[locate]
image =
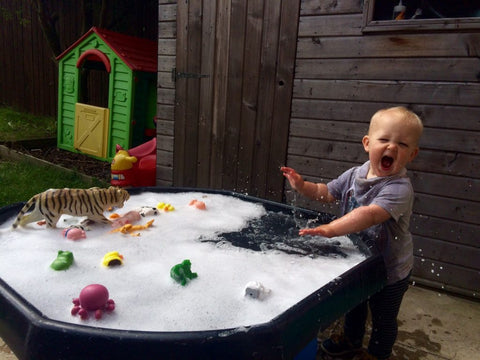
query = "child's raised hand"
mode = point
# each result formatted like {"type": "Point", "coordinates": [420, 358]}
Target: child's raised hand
{"type": "Point", "coordinates": [294, 178]}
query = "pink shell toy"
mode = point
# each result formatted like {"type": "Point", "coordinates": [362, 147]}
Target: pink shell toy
{"type": "Point", "coordinates": [93, 297]}
{"type": "Point", "coordinates": [74, 233]}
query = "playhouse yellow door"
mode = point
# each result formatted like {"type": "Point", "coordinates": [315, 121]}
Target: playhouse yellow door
{"type": "Point", "coordinates": [91, 130]}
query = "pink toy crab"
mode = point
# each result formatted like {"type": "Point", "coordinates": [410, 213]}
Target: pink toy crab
{"type": "Point", "coordinates": [74, 233]}
{"type": "Point", "coordinates": [93, 297]}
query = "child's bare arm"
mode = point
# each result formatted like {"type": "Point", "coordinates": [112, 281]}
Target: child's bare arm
{"type": "Point", "coordinates": [357, 220]}
{"type": "Point", "coordinates": [309, 189]}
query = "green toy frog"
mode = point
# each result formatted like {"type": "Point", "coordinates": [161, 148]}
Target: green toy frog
{"type": "Point", "coordinates": [182, 272]}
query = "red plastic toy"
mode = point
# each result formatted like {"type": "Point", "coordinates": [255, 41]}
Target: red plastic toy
{"type": "Point", "coordinates": [135, 167]}
{"type": "Point", "coordinates": [93, 298]}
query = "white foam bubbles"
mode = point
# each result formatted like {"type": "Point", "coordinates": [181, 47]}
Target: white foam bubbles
{"type": "Point", "coordinates": [146, 297]}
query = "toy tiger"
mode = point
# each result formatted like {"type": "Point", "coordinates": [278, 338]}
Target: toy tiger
{"type": "Point", "coordinates": [52, 203]}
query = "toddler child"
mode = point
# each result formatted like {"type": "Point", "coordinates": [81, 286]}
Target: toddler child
{"type": "Point", "coordinates": [375, 198]}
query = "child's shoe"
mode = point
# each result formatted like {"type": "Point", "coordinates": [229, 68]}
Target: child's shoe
{"type": "Point", "coordinates": [339, 345]}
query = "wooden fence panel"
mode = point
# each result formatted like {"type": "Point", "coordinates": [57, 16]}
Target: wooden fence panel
{"type": "Point", "coordinates": [29, 74]}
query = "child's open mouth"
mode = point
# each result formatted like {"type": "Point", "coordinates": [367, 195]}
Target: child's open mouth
{"type": "Point", "coordinates": [387, 162]}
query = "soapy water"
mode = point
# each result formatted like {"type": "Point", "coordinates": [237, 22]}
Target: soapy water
{"type": "Point", "coordinates": [214, 240]}
{"type": "Point", "coordinates": [279, 231]}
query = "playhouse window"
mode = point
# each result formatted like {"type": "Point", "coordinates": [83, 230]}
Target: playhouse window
{"type": "Point", "coordinates": [94, 84]}
{"type": "Point", "coordinates": [389, 15]}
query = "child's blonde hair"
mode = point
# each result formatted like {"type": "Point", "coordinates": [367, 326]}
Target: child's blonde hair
{"type": "Point", "coordinates": [410, 118]}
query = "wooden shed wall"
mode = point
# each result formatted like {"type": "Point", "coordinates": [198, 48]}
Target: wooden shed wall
{"type": "Point", "coordinates": [343, 76]}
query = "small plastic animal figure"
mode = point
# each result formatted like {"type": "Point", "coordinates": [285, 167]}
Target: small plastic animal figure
{"type": "Point", "coordinates": [63, 261]}
{"type": "Point", "coordinates": [52, 203]}
{"type": "Point", "coordinates": [93, 297]}
{"type": "Point", "coordinates": [129, 228]}
{"type": "Point", "coordinates": [182, 272]}
{"type": "Point", "coordinates": [147, 211]}
{"type": "Point", "coordinates": [200, 205]}
{"type": "Point", "coordinates": [256, 290]}
{"type": "Point", "coordinates": [74, 233]}
{"type": "Point", "coordinates": [165, 207]}
{"type": "Point", "coordinates": [123, 160]}
{"type": "Point", "coordinates": [130, 217]}
{"type": "Point", "coordinates": [112, 258]}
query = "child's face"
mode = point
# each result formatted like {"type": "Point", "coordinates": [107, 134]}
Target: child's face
{"type": "Point", "coordinates": [391, 144]}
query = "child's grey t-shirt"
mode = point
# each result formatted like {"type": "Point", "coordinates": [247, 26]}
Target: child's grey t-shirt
{"type": "Point", "coordinates": [395, 195]}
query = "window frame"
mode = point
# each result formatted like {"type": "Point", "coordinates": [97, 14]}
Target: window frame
{"type": "Point", "coordinates": [370, 26]}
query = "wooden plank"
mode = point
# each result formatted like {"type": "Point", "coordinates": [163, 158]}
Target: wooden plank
{"type": "Point", "coordinates": [441, 93]}
{"type": "Point", "coordinates": [166, 96]}
{"type": "Point", "coordinates": [433, 138]}
{"type": "Point", "coordinates": [181, 99]}
{"type": "Point", "coordinates": [167, 47]}
{"type": "Point", "coordinates": [267, 93]}
{"type": "Point", "coordinates": [165, 111]}
{"type": "Point", "coordinates": [165, 127]}
{"type": "Point", "coordinates": [167, 30]}
{"type": "Point", "coordinates": [320, 169]}
{"type": "Point", "coordinates": [316, 7]}
{"type": "Point", "coordinates": [193, 52]}
{"type": "Point", "coordinates": [448, 252]}
{"type": "Point", "coordinates": [445, 229]}
{"type": "Point", "coordinates": [452, 209]}
{"type": "Point", "coordinates": [335, 110]}
{"type": "Point", "coordinates": [165, 142]}
{"type": "Point", "coordinates": [166, 64]}
{"type": "Point", "coordinates": [222, 31]}
{"type": "Point", "coordinates": [164, 175]}
{"type": "Point", "coordinates": [206, 94]}
{"type": "Point", "coordinates": [434, 184]}
{"type": "Point", "coordinates": [250, 95]}
{"type": "Point", "coordinates": [164, 80]}
{"type": "Point", "coordinates": [167, 12]}
{"type": "Point", "coordinates": [282, 98]}
{"type": "Point", "coordinates": [388, 46]}
{"type": "Point", "coordinates": [447, 275]}
{"type": "Point", "coordinates": [165, 159]}
{"type": "Point", "coordinates": [234, 93]}
{"type": "Point", "coordinates": [395, 69]}
{"type": "Point", "coordinates": [450, 140]}
{"type": "Point", "coordinates": [341, 25]}
{"type": "Point", "coordinates": [327, 129]}
{"type": "Point", "coordinates": [452, 163]}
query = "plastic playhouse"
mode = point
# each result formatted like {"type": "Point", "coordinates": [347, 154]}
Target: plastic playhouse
{"type": "Point", "coordinates": [106, 93]}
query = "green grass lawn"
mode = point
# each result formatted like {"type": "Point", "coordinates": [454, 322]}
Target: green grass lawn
{"type": "Point", "coordinates": [20, 180]}
{"type": "Point", "coordinates": [15, 125]}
